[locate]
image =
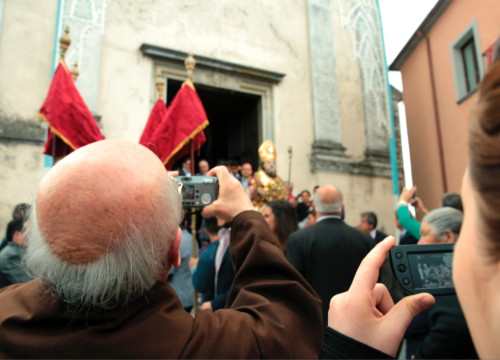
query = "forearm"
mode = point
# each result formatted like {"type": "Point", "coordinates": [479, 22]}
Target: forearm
{"type": "Point", "coordinates": [409, 223]}
{"type": "Point", "coordinates": [269, 288]}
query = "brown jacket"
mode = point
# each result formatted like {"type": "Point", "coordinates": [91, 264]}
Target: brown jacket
{"type": "Point", "coordinates": [273, 313]}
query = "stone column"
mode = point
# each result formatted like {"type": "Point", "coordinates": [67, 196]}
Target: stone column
{"type": "Point", "coordinates": [327, 146]}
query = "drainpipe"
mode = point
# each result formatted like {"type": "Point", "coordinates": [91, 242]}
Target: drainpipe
{"type": "Point", "coordinates": [48, 161]}
{"type": "Point", "coordinates": [444, 179]}
{"type": "Point", "coordinates": [57, 34]}
{"type": "Point", "coordinates": [392, 140]}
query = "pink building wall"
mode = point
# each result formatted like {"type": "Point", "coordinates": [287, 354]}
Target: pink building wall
{"type": "Point", "coordinates": [453, 117]}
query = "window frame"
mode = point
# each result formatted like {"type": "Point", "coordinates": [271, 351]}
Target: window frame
{"type": "Point", "coordinates": [460, 77]}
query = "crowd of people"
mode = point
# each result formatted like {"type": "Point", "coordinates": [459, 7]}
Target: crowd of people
{"type": "Point", "coordinates": [102, 273]}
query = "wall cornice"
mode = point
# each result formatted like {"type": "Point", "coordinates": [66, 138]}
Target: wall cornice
{"type": "Point", "coordinates": [177, 56]}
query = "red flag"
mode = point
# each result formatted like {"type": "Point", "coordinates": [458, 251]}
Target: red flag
{"type": "Point", "coordinates": [184, 120]}
{"type": "Point", "coordinates": [67, 116]}
{"type": "Point", "coordinates": [155, 118]}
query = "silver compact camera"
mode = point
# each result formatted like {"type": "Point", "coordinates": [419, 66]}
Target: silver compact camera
{"type": "Point", "coordinates": [198, 191]}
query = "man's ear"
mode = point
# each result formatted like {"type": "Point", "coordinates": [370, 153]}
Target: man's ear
{"type": "Point", "coordinates": [174, 253]}
{"type": "Point", "coordinates": [174, 256]}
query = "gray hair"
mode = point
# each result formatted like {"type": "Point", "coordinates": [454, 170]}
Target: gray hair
{"type": "Point", "coordinates": [328, 207]}
{"type": "Point", "coordinates": [132, 266]}
{"type": "Point", "coordinates": [444, 218]}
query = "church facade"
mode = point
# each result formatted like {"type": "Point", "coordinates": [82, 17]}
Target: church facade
{"type": "Point", "coordinates": [307, 74]}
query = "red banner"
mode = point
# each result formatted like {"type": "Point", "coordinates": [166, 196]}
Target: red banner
{"type": "Point", "coordinates": [155, 118]}
{"type": "Point", "coordinates": [67, 116]}
{"type": "Point", "coordinates": [183, 121]}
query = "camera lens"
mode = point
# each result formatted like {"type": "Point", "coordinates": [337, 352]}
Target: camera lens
{"type": "Point", "coordinates": [206, 198]}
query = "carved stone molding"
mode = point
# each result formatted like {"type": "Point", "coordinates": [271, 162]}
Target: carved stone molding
{"type": "Point", "coordinates": [330, 157]}
{"type": "Point", "coordinates": [21, 130]}
{"type": "Point", "coordinates": [211, 64]}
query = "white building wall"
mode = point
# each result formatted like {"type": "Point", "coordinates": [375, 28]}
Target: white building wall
{"type": "Point", "coordinates": [269, 35]}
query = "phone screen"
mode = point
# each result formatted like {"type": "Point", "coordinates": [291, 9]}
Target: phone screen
{"type": "Point", "coordinates": [431, 270]}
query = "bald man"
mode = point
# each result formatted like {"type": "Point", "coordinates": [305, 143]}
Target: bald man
{"type": "Point", "coordinates": [103, 236]}
{"type": "Point", "coordinates": [328, 253]}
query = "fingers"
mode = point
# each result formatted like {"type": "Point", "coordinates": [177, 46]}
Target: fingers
{"type": "Point", "coordinates": [211, 210]}
{"type": "Point", "coordinates": [383, 299]}
{"type": "Point", "coordinates": [232, 198]}
{"type": "Point", "coordinates": [407, 194]}
{"type": "Point", "coordinates": [219, 171]}
{"type": "Point", "coordinates": [407, 308]}
{"type": "Point", "coordinates": [173, 173]}
{"type": "Point", "coordinates": [222, 177]}
{"type": "Point", "coordinates": [367, 274]}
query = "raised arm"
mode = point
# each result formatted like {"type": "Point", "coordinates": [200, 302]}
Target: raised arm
{"type": "Point", "coordinates": [274, 311]}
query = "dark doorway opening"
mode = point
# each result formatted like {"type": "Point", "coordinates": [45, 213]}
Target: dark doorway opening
{"type": "Point", "coordinates": [233, 133]}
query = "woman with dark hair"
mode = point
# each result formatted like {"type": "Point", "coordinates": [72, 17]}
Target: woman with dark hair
{"type": "Point", "coordinates": [282, 219]}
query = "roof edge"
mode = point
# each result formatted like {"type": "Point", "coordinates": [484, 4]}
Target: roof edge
{"type": "Point", "coordinates": [424, 28]}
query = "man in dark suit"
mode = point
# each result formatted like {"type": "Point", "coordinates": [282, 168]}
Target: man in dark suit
{"type": "Point", "coordinates": [368, 224]}
{"type": "Point", "coordinates": [328, 253]}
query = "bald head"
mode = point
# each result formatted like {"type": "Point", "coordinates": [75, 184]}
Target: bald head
{"type": "Point", "coordinates": [105, 225]}
{"type": "Point", "coordinates": [89, 198]}
{"type": "Point", "coordinates": [328, 200]}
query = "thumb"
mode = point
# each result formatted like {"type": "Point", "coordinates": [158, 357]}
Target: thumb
{"type": "Point", "coordinates": [407, 308]}
{"type": "Point", "coordinates": [210, 210]}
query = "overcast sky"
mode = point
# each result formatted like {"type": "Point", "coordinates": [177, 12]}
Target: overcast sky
{"type": "Point", "coordinates": [400, 19]}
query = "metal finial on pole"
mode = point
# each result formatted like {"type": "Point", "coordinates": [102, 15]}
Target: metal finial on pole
{"type": "Point", "coordinates": [190, 64]}
{"type": "Point", "coordinates": [64, 42]}
{"type": "Point", "coordinates": [74, 71]}
{"type": "Point", "coordinates": [160, 83]}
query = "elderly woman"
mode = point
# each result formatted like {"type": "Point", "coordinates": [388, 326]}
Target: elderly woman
{"type": "Point", "coordinates": [441, 225]}
{"type": "Point", "coordinates": [364, 323]}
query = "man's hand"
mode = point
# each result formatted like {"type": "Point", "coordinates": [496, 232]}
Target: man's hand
{"type": "Point", "coordinates": [407, 195]}
{"type": "Point", "coordinates": [419, 205]}
{"type": "Point", "coordinates": [207, 305]}
{"type": "Point", "coordinates": [366, 311]}
{"type": "Point", "coordinates": [232, 198]}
